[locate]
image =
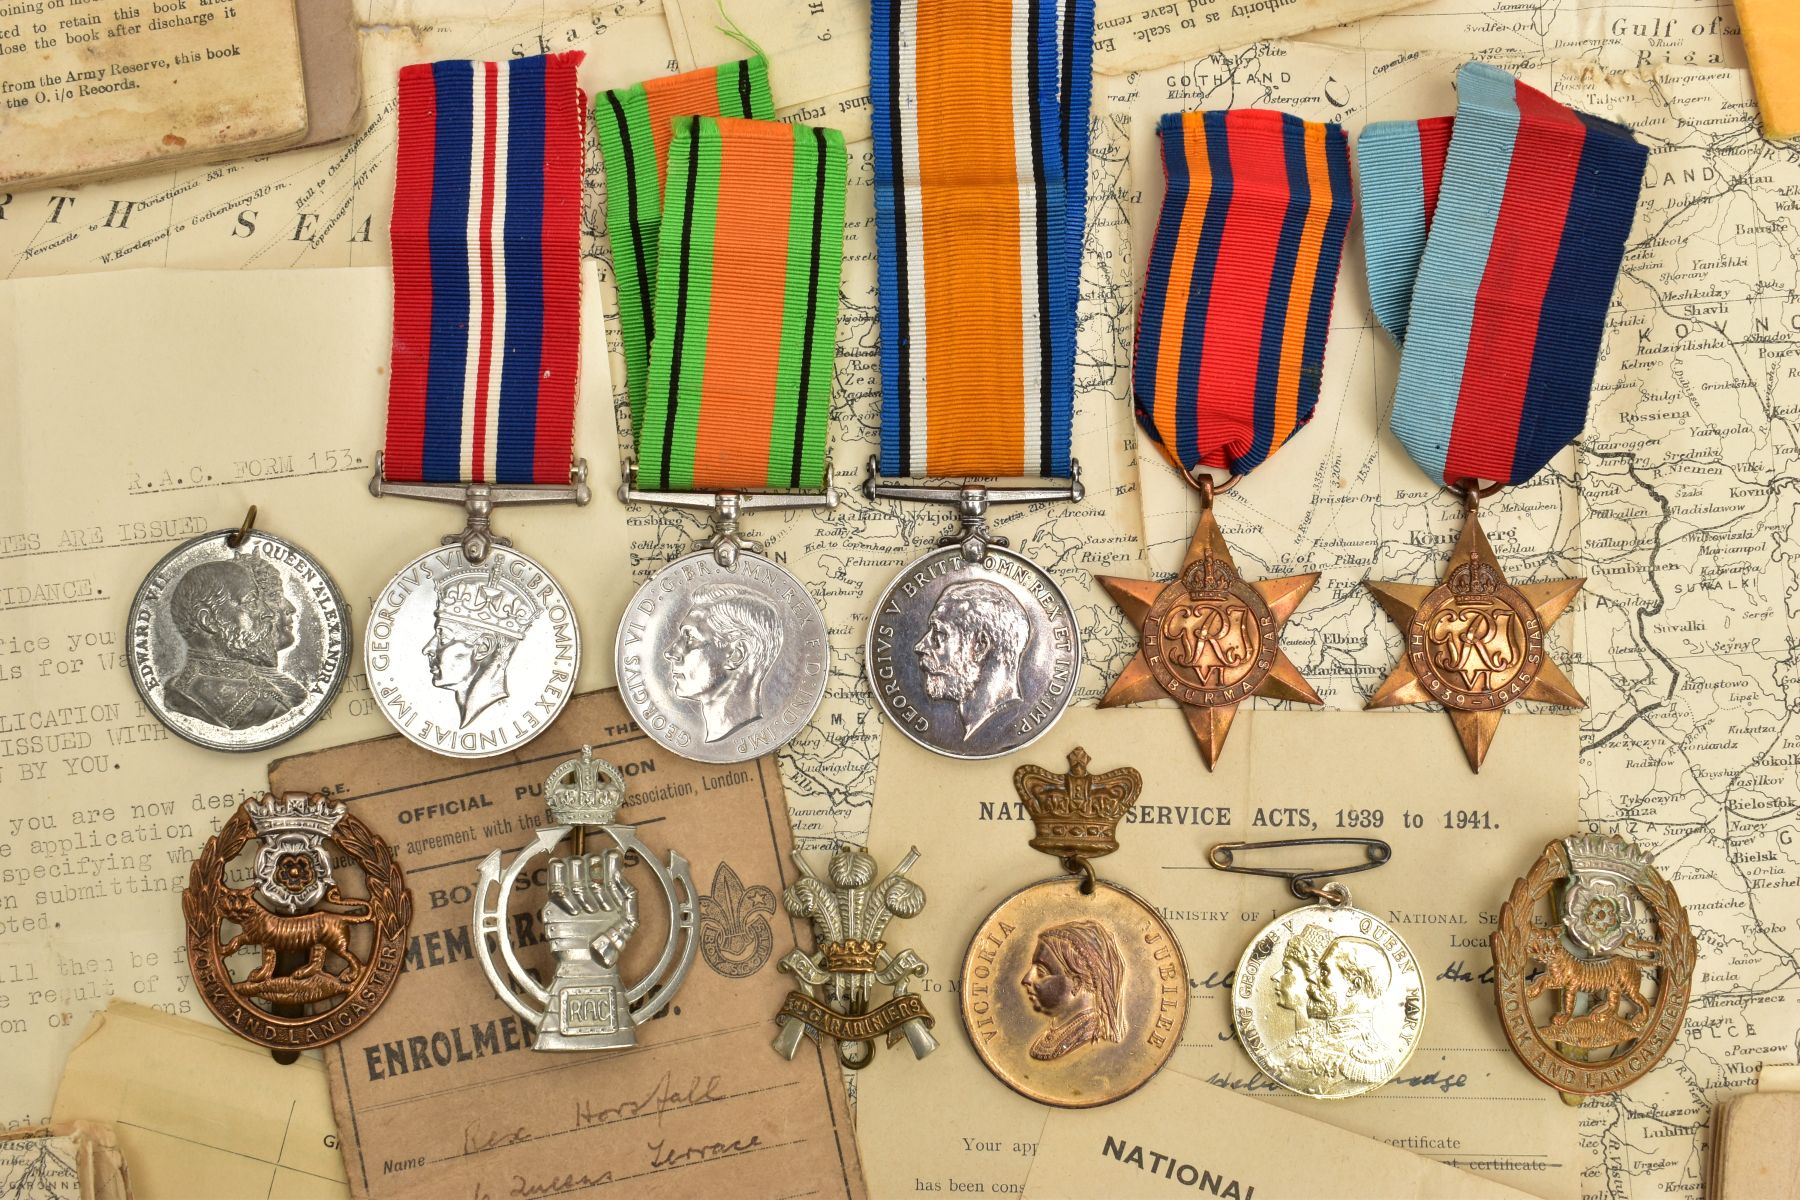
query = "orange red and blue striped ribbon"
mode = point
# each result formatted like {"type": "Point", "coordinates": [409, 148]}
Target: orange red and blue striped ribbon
{"type": "Point", "coordinates": [1237, 300]}
{"type": "Point", "coordinates": [487, 287]}
{"type": "Point", "coordinates": [740, 371]}
{"type": "Point", "coordinates": [634, 126]}
{"type": "Point", "coordinates": [980, 112]}
{"type": "Point", "coordinates": [1494, 244]}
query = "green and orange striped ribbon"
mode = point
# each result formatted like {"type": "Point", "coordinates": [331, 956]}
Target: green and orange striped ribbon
{"type": "Point", "coordinates": [634, 126]}
{"type": "Point", "coordinates": [739, 390]}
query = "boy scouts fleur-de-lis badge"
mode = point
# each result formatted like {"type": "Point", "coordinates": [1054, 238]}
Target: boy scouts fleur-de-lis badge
{"type": "Point", "coordinates": [849, 916]}
{"type": "Point", "coordinates": [735, 937]}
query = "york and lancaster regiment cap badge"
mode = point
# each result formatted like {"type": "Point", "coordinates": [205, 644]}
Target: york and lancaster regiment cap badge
{"type": "Point", "coordinates": [849, 916]}
{"type": "Point", "coordinates": [1614, 921]}
{"type": "Point", "coordinates": [589, 919]}
{"type": "Point", "coordinates": [321, 974]}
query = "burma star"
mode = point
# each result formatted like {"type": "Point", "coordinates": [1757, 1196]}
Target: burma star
{"type": "Point", "coordinates": [1208, 639]}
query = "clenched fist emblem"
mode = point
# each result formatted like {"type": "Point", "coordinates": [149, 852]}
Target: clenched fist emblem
{"type": "Point", "coordinates": [592, 913]}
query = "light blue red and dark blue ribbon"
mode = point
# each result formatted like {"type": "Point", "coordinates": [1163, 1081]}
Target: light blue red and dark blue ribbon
{"type": "Point", "coordinates": [980, 111]}
{"type": "Point", "coordinates": [1237, 300]}
{"type": "Point", "coordinates": [487, 283]}
{"type": "Point", "coordinates": [1493, 248]}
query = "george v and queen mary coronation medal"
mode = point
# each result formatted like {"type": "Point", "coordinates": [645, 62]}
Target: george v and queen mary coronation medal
{"type": "Point", "coordinates": [472, 648]}
{"type": "Point", "coordinates": [722, 654]}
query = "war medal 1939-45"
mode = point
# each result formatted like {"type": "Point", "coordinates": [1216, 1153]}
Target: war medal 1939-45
{"type": "Point", "coordinates": [722, 654]}
{"type": "Point", "coordinates": [1074, 992]}
{"type": "Point", "coordinates": [973, 650]}
{"type": "Point", "coordinates": [1230, 355]}
{"type": "Point", "coordinates": [588, 920]}
{"type": "Point", "coordinates": [850, 911]}
{"type": "Point", "coordinates": [238, 640]}
{"type": "Point", "coordinates": [328, 959]}
{"type": "Point", "coordinates": [1328, 1000]}
{"type": "Point", "coordinates": [472, 648]}
{"type": "Point", "coordinates": [1594, 996]}
{"type": "Point", "coordinates": [1492, 255]}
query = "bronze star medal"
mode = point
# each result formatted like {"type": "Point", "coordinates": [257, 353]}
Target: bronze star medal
{"type": "Point", "coordinates": [1475, 643]}
{"type": "Point", "coordinates": [1209, 639]}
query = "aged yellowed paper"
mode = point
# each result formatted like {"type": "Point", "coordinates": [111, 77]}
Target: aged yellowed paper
{"type": "Point", "coordinates": [1462, 1099]}
{"type": "Point", "coordinates": [94, 87]}
{"type": "Point", "coordinates": [441, 1094]}
{"type": "Point", "coordinates": [201, 1112]}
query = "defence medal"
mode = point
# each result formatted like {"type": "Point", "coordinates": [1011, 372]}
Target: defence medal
{"type": "Point", "coordinates": [1074, 992]}
{"type": "Point", "coordinates": [722, 654]}
{"type": "Point", "coordinates": [1571, 989]}
{"type": "Point", "coordinates": [328, 959]}
{"type": "Point", "coordinates": [973, 650]}
{"type": "Point", "coordinates": [472, 648]}
{"type": "Point", "coordinates": [1230, 354]}
{"type": "Point", "coordinates": [850, 911]}
{"type": "Point", "coordinates": [1327, 1000]}
{"type": "Point", "coordinates": [237, 639]}
{"type": "Point", "coordinates": [1496, 286]}
{"type": "Point", "coordinates": [588, 920]}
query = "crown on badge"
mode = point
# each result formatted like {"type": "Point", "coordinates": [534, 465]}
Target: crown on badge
{"type": "Point", "coordinates": [1606, 854]}
{"type": "Point", "coordinates": [486, 600]}
{"type": "Point", "coordinates": [1474, 578]}
{"type": "Point", "coordinates": [294, 812]}
{"type": "Point", "coordinates": [1077, 814]}
{"type": "Point", "coordinates": [584, 791]}
{"type": "Point", "coordinates": [1209, 578]}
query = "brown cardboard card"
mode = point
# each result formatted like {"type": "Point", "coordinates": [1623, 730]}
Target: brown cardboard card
{"type": "Point", "coordinates": [92, 87]}
{"type": "Point", "coordinates": [440, 1093]}
{"type": "Point", "coordinates": [331, 56]}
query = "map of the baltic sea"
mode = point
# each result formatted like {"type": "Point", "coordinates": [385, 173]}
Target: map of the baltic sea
{"type": "Point", "coordinates": [1680, 504]}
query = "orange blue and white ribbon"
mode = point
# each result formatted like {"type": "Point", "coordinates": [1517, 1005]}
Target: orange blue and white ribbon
{"type": "Point", "coordinates": [1237, 299]}
{"type": "Point", "coordinates": [1493, 253]}
{"type": "Point", "coordinates": [980, 111]}
{"type": "Point", "coordinates": [487, 284]}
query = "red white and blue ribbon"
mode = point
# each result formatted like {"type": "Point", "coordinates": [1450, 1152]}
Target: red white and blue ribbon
{"type": "Point", "coordinates": [1237, 299]}
{"type": "Point", "coordinates": [487, 271]}
{"type": "Point", "coordinates": [1492, 257]}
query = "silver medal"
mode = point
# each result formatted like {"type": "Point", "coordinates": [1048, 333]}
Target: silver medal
{"type": "Point", "coordinates": [238, 640]}
{"type": "Point", "coordinates": [722, 663]}
{"type": "Point", "coordinates": [472, 659]}
{"type": "Point", "coordinates": [973, 659]}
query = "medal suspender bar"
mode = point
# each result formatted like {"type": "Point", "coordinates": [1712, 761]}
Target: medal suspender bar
{"type": "Point", "coordinates": [980, 111]}
{"type": "Point", "coordinates": [472, 648]}
{"type": "Point", "coordinates": [722, 654]}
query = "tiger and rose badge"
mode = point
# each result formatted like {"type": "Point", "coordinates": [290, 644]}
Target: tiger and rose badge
{"type": "Point", "coordinates": [328, 958]}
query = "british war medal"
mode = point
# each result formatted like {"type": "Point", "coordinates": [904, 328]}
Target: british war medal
{"type": "Point", "coordinates": [237, 639]}
{"type": "Point", "coordinates": [980, 111]}
{"type": "Point", "coordinates": [327, 956]}
{"type": "Point", "coordinates": [1074, 991]}
{"type": "Point", "coordinates": [1327, 1000]}
{"type": "Point", "coordinates": [1593, 965]}
{"type": "Point", "coordinates": [1230, 352]}
{"type": "Point", "coordinates": [1494, 242]}
{"type": "Point", "coordinates": [730, 327]}
{"type": "Point", "coordinates": [473, 648]}
{"type": "Point", "coordinates": [588, 919]}
{"type": "Point", "coordinates": [850, 912]}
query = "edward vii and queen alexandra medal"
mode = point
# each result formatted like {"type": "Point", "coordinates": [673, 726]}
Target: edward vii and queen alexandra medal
{"type": "Point", "coordinates": [329, 955]}
{"type": "Point", "coordinates": [729, 304]}
{"type": "Point", "coordinates": [1496, 289]}
{"type": "Point", "coordinates": [973, 651]}
{"type": "Point", "coordinates": [1327, 1000]}
{"type": "Point", "coordinates": [472, 649]}
{"type": "Point", "coordinates": [1074, 991]}
{"type": "Point", "coordinates": [237, 639]}
{"type": "Point", "coordinates": [1593, 996]}
{"type": "Point", "coordinates": [1224, 375]}
{"type": "Point", "coordinates": [589, 918]}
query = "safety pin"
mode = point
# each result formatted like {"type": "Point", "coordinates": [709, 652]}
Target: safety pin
{"type": "Point", "coordinates": [1303, 881]}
